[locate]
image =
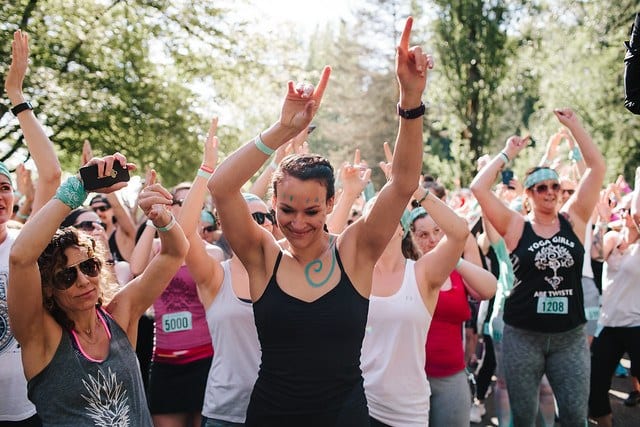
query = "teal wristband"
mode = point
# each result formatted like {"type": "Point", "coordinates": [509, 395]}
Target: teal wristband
{"type": "Point", "coordinates": [204, 174]}
{"type": "Point", "coordinates": [71, 192]}
{"type": "Point", "coordinates": [22, 216]}
{"type": "Point", "coordinates": [260, 145]}
{"type": "Point", "coordinates": [168, 226]}
{"type": "Point", "coordinates": [504, 157]}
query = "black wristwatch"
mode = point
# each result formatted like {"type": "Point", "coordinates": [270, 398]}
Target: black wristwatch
{"type": "Point", "coordinates": [413, 113]}
{"type": "Point", "coordinates": [21, 107]}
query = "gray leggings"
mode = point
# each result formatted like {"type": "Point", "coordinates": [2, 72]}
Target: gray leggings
{"type": "Point", "coordinates": [450, 400]}
{"type": "Point", "coordinates": [564, 357]}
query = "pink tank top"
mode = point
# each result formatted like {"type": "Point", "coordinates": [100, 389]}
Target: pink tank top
{"type": "Point", "coordinates": [445, 353]}
{"type": "Point", "coordinates": [181, 330]}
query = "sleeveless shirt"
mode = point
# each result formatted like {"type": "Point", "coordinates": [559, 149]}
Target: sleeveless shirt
{"type": "Point", "coordinates": [445, 352]}
{"type": "Point", "coordinates": [181, 332]}
{"type": "Point", "coordinates": [310, 371]}
{"type": "Point", "coordinates": [620, 290]}
{"type": "Point", "coordinates": [14, 405]}
{"type": "Point", "coordinates": [73, 390]}
{"type": "Point", "coordinates": [234, 367]}
{"type": "Point", "coordinates": [547, 291]}
{"type": "Point", "coordinates": [393, 355]}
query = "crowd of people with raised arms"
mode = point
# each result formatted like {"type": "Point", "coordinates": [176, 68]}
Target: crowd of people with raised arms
{"type": "Point", "coordinates": [304, 303]}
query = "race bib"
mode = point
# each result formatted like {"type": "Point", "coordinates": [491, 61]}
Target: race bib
{"type": "Point", "coordinates": [176, 322]}
{"type": "Point", "coordinates": [553, 305]}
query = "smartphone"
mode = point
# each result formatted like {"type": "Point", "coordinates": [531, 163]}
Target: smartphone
{"type": "Point", "coordinates": [310, 129]}
{"type": "Point", "coordinates": [507, 176]}
{"type": "Point", "coordinates": [89, 175]}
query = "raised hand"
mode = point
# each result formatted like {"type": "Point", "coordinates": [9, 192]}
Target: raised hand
{"type": "Point", "coordinates": [412, 66]}
{"type": "Point", "coordinates": [566, 116]}
{"type": "Point", "coordinates": [105, 167]}
{"type": "Point", "coordinates": [514, 145]}
{"type": "Point", "coordinates": [386, 165]}
{"type": "Point", "coordinates": [154, 200]}
{"type": "Point", "coordinates": [24, 182]}
{"type": "Point", "coordinates": [302, 103]}
{"type": "Point", "coordinates": [355, 176]}
{"type": "Point", "coordinates": [19, 64]}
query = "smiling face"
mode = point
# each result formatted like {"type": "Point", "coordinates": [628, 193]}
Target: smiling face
{"type": "Point", "coordinates": [301, 209]}
{"type": "Point", "coordinates": [545, 195]}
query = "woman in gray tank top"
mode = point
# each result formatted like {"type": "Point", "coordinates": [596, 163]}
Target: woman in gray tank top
{"type": "Point", "coordinates": [77, 342]}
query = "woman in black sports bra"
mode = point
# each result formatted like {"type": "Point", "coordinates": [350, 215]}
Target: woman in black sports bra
{"type": "Point", "coordinates": [311, 299]}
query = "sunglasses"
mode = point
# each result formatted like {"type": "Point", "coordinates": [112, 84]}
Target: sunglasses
{"type": "Point", "coordinates": [543, 188]}
{"type": "Point", "coordinates": [66, 277]}
{"type": "Point", "coordinates": [259, 217]}
{"type": "Point", "coordinates": [209, 228]}
{"type": "Point", "coordinates": [101, 208]}
{"type": "Point", "coordinates": [569, 191]}
{"type": "Point", "coordinates": [89, 225]}
{"type": "Point", "coordinates": [177, 202]}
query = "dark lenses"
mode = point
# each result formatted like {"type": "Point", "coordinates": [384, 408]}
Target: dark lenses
{"type": "Point", "coordinates": [89, 225]}
{"type": "Point", "coordinates": [209, 228]}
{"type": "Point", "coordinates": [66, 277]}
{"type": "Point", "coordinates": [568, 191]}
{"type": "Point", "coordinates": [177, 202]}
{"type": "Point", "coordinates": [543, 188]}
{"type": "Point", "coordinates": [101, 208]}
{"type": "Point", "coordinates": [259, 217]}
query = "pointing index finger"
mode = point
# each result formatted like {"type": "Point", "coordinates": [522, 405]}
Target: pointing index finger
{"type": "Point", "coordinates": [322, 84]}
{"type": "Point", "coordinates": [406, 33]}
{"type": "Point", "coordinates": [387, 152]}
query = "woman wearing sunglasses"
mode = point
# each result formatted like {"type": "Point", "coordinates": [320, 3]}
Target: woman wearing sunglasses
{"type": "Point", "coordinates": [544, 313]}
{"type": "Point", "coordinates": [77, 339]}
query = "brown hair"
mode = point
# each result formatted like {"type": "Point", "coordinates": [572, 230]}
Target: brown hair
{"type": "Point", "coordinates": [54, 259]}
{"type": "Point", "coordinates": [305, 167]}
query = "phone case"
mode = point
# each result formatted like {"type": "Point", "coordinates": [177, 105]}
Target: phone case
{"type": "Point", "coordinates": [89, 175]}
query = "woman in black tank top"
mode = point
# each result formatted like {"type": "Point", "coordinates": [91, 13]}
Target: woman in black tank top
{"type": "Point", "coordinates": [310, 292]}
{"type": "Point", "coordinates": [544, 312]}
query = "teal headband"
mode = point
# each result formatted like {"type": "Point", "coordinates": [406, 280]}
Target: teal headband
{"type": "Point", "coordinates": [405, 222]}
{"type": "Point", "coordinates": [416, 213]}
{"type": "Point", "coordinates": [206, 216]}
{"type": "Point", "coordinates": [4, 171]}
{"type": "Point", "coordinates": [539, 176]}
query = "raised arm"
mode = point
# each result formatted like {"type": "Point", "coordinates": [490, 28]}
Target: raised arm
{"type": "Point", "coordinates": [204, 268]}
{"type": "Point", "coordinates": [354, 177]}
{"type": "Point", "coordinates": [632, 69]}
{"type": "Point", "coordinates": [376, 228]}
{"type": "Point", "coordinates": [132, 300]}
{"type": "Point", "coordinates": [506, 221]}
{"type": "Point", "coordinates": [581, 205]}
{"type": "Point", "coordinates": [433, 268]}
{"type": "Point", "coordinates": [24, 296]}
{"type": "Point", "coordinates": [635, 201]}
{"type": "Point", "coordinates": [39, 145]}
{"type": "Point", "coordinates": [247, 238]}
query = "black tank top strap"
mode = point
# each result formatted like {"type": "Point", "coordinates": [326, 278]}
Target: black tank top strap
{"type": "Point", "coordinates": [275, 267]}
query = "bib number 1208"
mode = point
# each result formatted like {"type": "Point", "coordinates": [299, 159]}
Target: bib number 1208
{"type": "Point", "coordinates": [553, 305]}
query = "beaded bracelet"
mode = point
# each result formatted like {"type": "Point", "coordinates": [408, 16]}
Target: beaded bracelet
{"type": "Point", "coordinates": [71, 192]}
{"type": "Point", "coordinates": [260, 145]}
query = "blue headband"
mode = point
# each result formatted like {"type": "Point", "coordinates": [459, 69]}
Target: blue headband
{"type": "Point", "coordinates": [539, 176]}
{"type": "Point", "coordinates": [4, 171]}
{"type": "Point", "coordinates": [417, 213]}
{"type": "Point", "coordinates": [405, 222]}
{"type": "Point", "coordinates": [206, 216]}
